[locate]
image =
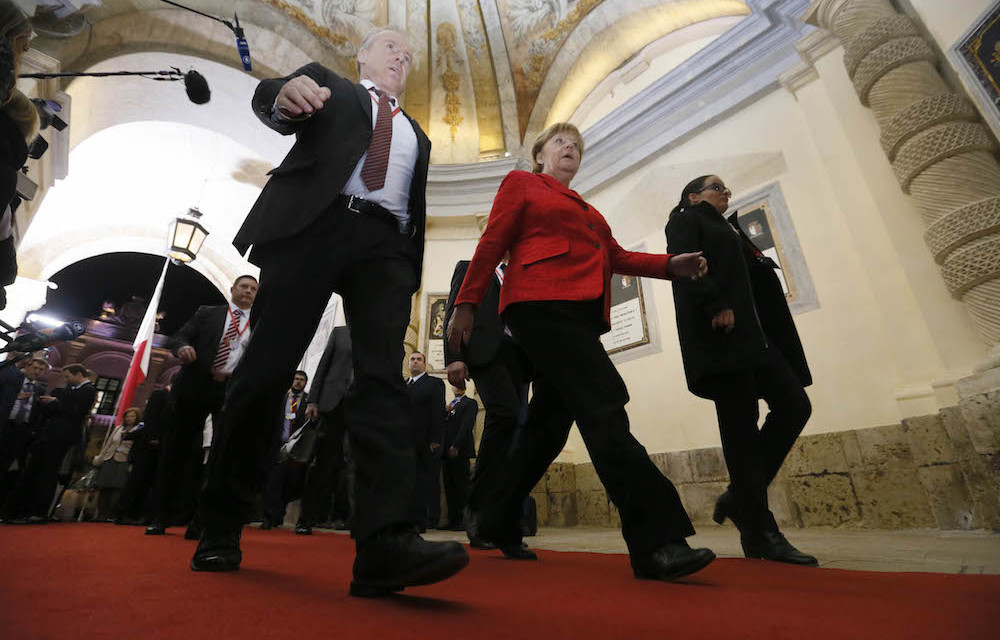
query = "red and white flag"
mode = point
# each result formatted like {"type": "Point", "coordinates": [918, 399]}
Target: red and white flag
{"type": "Point", "coordinates": [142, 347]}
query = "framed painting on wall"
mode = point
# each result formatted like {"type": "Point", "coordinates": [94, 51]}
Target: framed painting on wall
{"type": "Point", "coordinates": [976, 58]}
{"type": "Point", "coordinates": [437, 305]}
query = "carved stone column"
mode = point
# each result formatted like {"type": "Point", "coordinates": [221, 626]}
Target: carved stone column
{"type": "Point", "coordinates": [943, 156]}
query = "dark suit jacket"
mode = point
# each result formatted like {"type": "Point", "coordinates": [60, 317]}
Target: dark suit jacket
{"type": "Point", "coordinates": [11, 379]}
{"type": "Point", "coordinates": [458, 426]}
{"type": "Point", "coordinates": [426, 412]}
{"type": "Point", "coordinates": [300, 412]}
{"type": "Point", "coordinates": [328, 147]}
{"type": "Point", "coordinates": [335, 372]}
{"type": "Point", "coordinates": [487, 332]}
{"type": "Point", "coordinates": [64, 418]}
{"type": "Point", "coordinates": [203, 332]}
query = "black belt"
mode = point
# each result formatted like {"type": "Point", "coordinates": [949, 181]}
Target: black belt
{"type": "Point", "coordinates": [373, 210]}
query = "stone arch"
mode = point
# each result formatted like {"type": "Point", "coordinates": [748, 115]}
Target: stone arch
{"type": "Point", "coordinates": [606, 38]}
{"type": "Point", "coordinates": [112, 364]}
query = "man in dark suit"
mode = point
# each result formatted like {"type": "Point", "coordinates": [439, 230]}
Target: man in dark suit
{"type": "Point", "coordinates": [502, 373]}
{"type": "Point", "coordinates": [60, 429]}
{"type": "Point", "coordinates": [209, 345]}
{"type": "Point", "coordinates": [285, 478]}
{"type": "Point", "coordinates": [325, 478]}
{"type": "Point", "coordinates": [459, 448]}
{"type": "Point", "coordinates": [144, 457]}
{"type": "Point", "coordinates": [343, 212]}
{"type": "Point", "coordinates": [20, 408]}
{"type": "Point", "coordinates": [426, 430]}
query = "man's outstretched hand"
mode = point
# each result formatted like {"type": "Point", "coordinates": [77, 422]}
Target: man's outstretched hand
{"type": "Point", "coordinates": [687, 265]}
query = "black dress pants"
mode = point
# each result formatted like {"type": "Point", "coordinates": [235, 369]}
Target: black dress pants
{"type": "Point", "coordinates": [140, 481]}
{"type": "Point", "coordinates": [502, 385]}
{"type": "Point", "coordinates": [455, 472]}
{"type": "Point", "coordinates": [374, 268]}
{"type": "Point", "coordinates": [324, 476]}
{"type": "Point", "coordinates": [15, 440]}
{"type": "Point", "coordinates": [36, 485]}
{"type": "Point", "coordinates": [754, 455]}
{"type": "Point", "coordinates": [284, 484]}
{"type": "Point", "coordinates": [576, 378]}
{"type": "Point", "coordinates": [181, 461]}
{"type": "Point", "coordinates": [427, 501]}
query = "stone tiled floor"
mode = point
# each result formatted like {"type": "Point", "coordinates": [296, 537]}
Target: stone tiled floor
{"type": "Point", "coordinates": [912, 550]}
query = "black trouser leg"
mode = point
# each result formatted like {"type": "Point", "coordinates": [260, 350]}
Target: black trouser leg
{"type": "Point", "coordinates": [456, 487]}
{"type": "Point", "coordinates": [563, 342]}
{"type": "Point", "coordinates": [140, 481]}
{"type": "Point", "coordinates": [373, 268]}
{"type": "Point", "coordinates": [432, 490]}
{"type": "Point", "coordinates": [36, 486]}
{"type": "Point", "coordinates": [344, 491]}
{"type": "Point", "coordinates": [15, 440]}
{"type": "Point", "coordinates": [180, 461]}
{"type": "Point", "coordinates": [788, 412]}
{"type": "Point", "coordinates": [321, 477]}
{"type": "Point", "coordinates": [273, 496]}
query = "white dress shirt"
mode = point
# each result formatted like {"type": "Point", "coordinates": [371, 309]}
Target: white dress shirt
{"type": "Point", "coordinates": [395, 193]}
{"type": "Point", "coordinates": [240, 342]}
{"type": "Point", "coordinates": [414, 379]}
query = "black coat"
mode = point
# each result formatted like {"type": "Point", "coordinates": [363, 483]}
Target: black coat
{"type": "Point", "coordinates": [328, 147]}
{"type": "Point", "coordinates": [426, 412]}
{"type": "Point", "coordinates": [335, 372]}
{"type": "Point", "coordinates": [487, 330]}
{"type": "Point", "coordinates": [11, 381]}
{"type": "Point", "coordinates": [153, 417]}
{"type": "Point", "coordinates": [63, 419]}
{"type": "Point", "coordinates": [203, 332]}
{"type": "Point", "coordinates": [459, 423]}
{"type": "Point", "coordinates": [739, 278]}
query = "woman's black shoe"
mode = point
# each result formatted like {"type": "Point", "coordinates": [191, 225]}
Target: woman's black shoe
{"type": "Point", "coordinates": [671, 561]}
{"type": "Point", "coordinates": [156, 529]}
{"type": "Point", "coordinates": [772, 545]}
{"type": "Point", "coordinates": [303, 530]}
{"type": "Point", "coordinates": [725, 507]}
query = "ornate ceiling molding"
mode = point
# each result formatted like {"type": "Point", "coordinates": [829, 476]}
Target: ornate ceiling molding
{"type": "Point", "coordinates": [738, 69]}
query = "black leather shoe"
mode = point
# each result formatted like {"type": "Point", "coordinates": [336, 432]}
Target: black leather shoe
{"type": "Point", "coordinates": [217, 552]}
{"type": "Point", "coordinates": [671, 561]}
{"type": "Point", "coordinates": [478, 543]}
{"type": "Point", "coordinates": [128, 521]}
{"type": "Point", "coordinates": [155, 529]}
{"type": "Point", "coordinates": [773, 545]}
{"type": "Point", "coordinates": [303, 530]}
{"type": "Point", "coordinates": [341, 525]}
{"type": "Point", "coordinates": [517, 552]}
{"type": "Point", "coordinates": [396, 558]}
{"type": "Point", "coordinates": [725, 507]}
{"type": "Point", "coordinates": [193, 532]}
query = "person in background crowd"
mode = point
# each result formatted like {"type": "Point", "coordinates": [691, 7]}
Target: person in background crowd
{"type": "Point", "coordinates": [285, 478]}
{"type": "Point", "coordinates": [209, 345]}
{"type": "Point", "coordinates": [20, 409]}
{"type": "Point", "coordinates": [739, 344]}
{"type": "Point", "coordinates": [64, 412]}
{"type": "Point", "coordinates": [112, 464]}
{"type": "Point", "coordinates": [459, 447]}
{"type": "Point", "coordinates": [144, 457]}
{"type": "Point", "coordinates": [426, 428]}
{"type": "Point", "coordinates": [18, 126]}
{"type": "Point", "coordinates": [556, 301]}
{"type": "Point", "coordinates": [329, 476]}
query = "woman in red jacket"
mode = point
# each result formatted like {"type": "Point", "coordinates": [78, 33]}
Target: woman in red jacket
{"type": "Point", "coordinates": [555, 299]}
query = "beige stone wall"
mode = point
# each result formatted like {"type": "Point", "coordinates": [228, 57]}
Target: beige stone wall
{"type": "Point", "coordinates": [938, 471]}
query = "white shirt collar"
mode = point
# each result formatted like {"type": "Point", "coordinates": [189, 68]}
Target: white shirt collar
{"type": "Point", "coordinates": [368, 84]}
{"type": "Point", "coordinates": [414, 379]}
{"type": "Point", "coordinates": [81, 384]}
{"type": "Point", "coordinates": [233, 307]}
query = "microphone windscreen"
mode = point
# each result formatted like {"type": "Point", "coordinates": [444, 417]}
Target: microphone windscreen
{"type": "Point", "coordinates": [196, 87]}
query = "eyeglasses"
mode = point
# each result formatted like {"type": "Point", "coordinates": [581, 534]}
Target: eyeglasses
{"type": "Point", "coordinates": [715, 186]}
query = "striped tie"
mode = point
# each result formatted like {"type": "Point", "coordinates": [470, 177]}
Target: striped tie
{"type": "Point", "coordinates": [373, 172]}
{"type": "Point", "coordinates": [222, 356]}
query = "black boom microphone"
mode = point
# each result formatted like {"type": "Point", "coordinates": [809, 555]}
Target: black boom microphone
{"type": "Point", "coordinates": [242, 48]}
{"type": "Point", "coordinates": [194, 83]}
{"type": "Point", "coordinates": [43, 338]}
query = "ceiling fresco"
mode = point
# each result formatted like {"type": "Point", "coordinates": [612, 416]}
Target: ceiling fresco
{"type": "Point", "coordinates": [487, 74]}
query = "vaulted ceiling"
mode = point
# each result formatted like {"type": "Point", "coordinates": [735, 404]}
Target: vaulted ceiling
{"type": "Point", "coordinates": [487, 76]}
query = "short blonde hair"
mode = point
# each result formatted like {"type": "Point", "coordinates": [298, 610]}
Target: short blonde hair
{"type": "Point", "coordinates": [545, 136]}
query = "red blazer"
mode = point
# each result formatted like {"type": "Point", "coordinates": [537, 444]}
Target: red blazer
{"type": "Point", "coordinates": [560, 247]}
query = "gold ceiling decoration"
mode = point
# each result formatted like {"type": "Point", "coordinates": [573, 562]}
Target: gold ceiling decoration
{"type": "Point", "coordinates": [447, 38]}
{"type": "Point", "coordinates": [296, 12]}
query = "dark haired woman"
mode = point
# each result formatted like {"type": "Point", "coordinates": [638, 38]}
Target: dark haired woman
{"type": "Point", "coordinates": [555, 299]}
{"type": "Point", "coordinates": [739, 344]}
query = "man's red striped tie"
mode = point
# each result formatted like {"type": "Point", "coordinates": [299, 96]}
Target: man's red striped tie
{"type": "Point", "coordinates": [226, 346]}
{"type": "Point", "coordinates": [373, 171]}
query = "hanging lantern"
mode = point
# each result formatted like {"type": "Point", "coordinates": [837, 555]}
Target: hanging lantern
{"type": "Point", "coordinates": [186, 237]}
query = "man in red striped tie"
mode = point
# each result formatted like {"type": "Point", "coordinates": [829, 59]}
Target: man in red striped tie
{"type": "Point", "coordinates": [209, 345]}
{"type": "Point", "coordinates": [344, 213]}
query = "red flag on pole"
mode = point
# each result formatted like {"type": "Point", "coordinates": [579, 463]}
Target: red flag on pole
{"type": "Point", "coordinates": [142, 348]}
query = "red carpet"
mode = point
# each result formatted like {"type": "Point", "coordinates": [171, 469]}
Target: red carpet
{"type": "Point", "coordinates": [66, 581]}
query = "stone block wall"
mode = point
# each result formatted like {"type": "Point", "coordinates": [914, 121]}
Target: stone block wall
{"type": "Point", "coordinates": [939, 471]}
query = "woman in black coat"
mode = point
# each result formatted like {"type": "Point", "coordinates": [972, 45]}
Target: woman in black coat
{"type": "Point", "coordinates": [739, 344]}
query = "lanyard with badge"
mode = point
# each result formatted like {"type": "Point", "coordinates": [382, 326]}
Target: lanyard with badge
{"type": "Point", "coordinates": [293, 406]}
{"type": "Point", "coordinates": [235, 340]}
